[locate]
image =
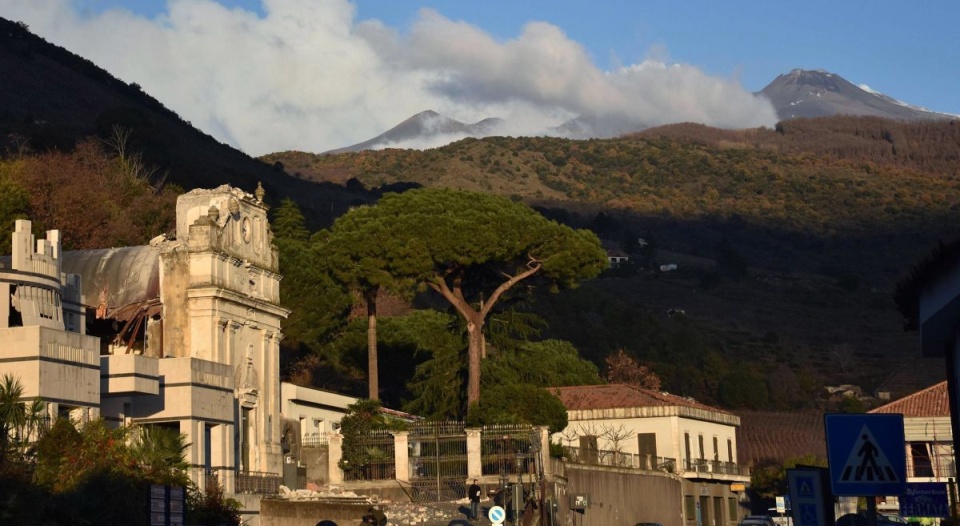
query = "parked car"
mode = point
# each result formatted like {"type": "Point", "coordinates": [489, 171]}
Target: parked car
{"type": "Point", "coordinates": [860, 519]}
{"type": "Point", "coordinates": [757, 520]}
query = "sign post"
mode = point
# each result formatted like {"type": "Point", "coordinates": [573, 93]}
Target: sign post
{"type": "Point", "coordinates": [925, 499]}
{"type": "Point", "coordinates": [809, 496]}
{"type": "Point", "coordinates": [867, 456]}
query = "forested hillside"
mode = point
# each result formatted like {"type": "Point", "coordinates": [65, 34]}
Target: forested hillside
{"type": "Point", "coordinates": [787, 245]}
{"type": "Point", "coordinates": [859, 195]}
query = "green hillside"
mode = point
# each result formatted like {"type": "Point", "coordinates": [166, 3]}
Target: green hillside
{"type": "Point", "coordinates": [825, 214]}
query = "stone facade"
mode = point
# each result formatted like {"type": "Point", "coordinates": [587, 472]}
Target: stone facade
{"type": "Point", "coordinates": [183, 333]}
{"type": "Point", "coordinates": [42, 329]}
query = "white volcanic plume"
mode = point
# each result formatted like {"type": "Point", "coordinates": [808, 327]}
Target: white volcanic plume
{"type": "Point", "coordinates": [308, 75]}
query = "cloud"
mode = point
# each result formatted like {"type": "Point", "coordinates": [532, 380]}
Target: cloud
{"type": "Point", "coordinates": [307, 75]}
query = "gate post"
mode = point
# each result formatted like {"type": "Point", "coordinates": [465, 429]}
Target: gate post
{"type": "Point", "coordinates": [401, 456]}
{"type": "Point", "coordinates": [334, 454]}
{"type": "Point", "coordinates": [474, 464]}
{"type": "Point", "coordinates": [542, 435]}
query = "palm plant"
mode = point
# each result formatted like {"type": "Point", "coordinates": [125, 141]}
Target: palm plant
{"type": "Point", "coordinates": [160, 453]}
{"type": "Point", "coordinates": [13, 414]}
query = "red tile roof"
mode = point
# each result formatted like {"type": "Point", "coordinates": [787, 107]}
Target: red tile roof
{"type": "Point", "coordinates": [932, 401]}
{"type": "Point", "coordinates": [609, 396]}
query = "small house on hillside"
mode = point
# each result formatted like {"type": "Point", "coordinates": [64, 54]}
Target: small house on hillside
{"type": "Point", "coordinates": [617, 257]}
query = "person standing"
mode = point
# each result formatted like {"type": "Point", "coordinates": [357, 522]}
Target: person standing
{"type": "Point", "coordinates": [474, 493]}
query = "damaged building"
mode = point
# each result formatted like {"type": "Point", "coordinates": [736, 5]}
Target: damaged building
{"type": "Point", "coordinates": [183, 332]}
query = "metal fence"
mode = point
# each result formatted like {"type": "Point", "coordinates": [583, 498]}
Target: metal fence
{"type": "Point", "coordinates": [259, 482]}
{"type": "Point", "coordinates": [603, 457]}
{"type": "Point", "coordinates": [700, 465]}
{"type": "Point", "coordinates": [507, 449]}
{"type": "Point", "coordinates": [438, 456]}
{"type": "Point", "coordinates": [371, 458]}
{"type": "Point", "coordinates": [314, 440]}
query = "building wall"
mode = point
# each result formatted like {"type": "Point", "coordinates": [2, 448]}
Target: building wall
{"type": "Point", "coordinates": [623, 497]}
{"type": "Point", "coordinates": [669, 430]}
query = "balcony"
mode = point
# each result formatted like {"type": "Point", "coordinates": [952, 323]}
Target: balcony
{"type": "Point", "coordinates": [714, 469]}
{"type": "Point", "coordinates": [127, 374]}
{"type": "Point", "coordinates": [619, 459]}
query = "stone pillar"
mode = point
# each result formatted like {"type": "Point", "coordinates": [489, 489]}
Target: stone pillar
{"type": "Point", "coordinates": [222, 456]}
{"type": "Point", "coordinates": [474, 464]}
{"type": "Point", "coordinates": [401, 455]}
{"type": "Point", "coordinates": [335, 453]}
{"type": "Point", "coordinates": [193, 429]}
{"type": "Point", "coordinates": [542, 433]}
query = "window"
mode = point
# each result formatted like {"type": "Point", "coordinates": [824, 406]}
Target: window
{"type": "Point", "coordinates": [686, 446]}
{"type": "Point", "coordinates": [700, 441]}
{"type": "Point", "coordinates": [730, 450]}
{"type": "Point", "coordinates": [588, 449]}
{"type": "Point", "coordinates": [647, 450]}
{"type": "Point", "coordinates": [732, 509]}
{"type": "Point", "coordinates": [922, 466]}
{"type": "Point", "coordinates": [716, 449]}
{"type": "Point", "coordinates": [689, 508]}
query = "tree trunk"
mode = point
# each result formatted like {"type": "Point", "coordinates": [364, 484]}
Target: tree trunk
{"type": "Point", "coordinates": [372, 369]}
{"type": "Point", "coordinates": [475, 348]}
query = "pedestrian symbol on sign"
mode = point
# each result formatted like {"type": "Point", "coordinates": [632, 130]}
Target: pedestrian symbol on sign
{"type": "Point", "coordinates": [866, 462]}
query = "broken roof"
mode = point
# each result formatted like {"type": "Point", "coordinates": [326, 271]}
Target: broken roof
{"type": "Point", "coordinates": [119, 280]}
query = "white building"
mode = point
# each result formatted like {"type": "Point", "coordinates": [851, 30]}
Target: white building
{"type": "Point", "coordinates": [626, 426]}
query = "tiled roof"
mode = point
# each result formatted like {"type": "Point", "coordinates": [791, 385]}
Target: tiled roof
{"type": "Point", "coordinates": [609, 396]}
{"type": "Point", "coordinates": [932, 401]}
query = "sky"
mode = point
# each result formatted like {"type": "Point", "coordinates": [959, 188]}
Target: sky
{"type": "Point", "coordinates": [315, 75]}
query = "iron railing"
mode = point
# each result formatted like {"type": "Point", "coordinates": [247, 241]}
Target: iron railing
{"type": "Point", "coordinates": [314, 440]}
{"type": "Point", "coordinates": [507, 449]}
{"type": "Point", "coordinates": [702, 465]}
{"type": "Point", "coordinates": [259, 483]}
{"type": "Point", "coordinates": [602, 457]}
{"type": "Point", "coordinates": [371, 458]}
{"type": "Point", "coordinates": [438, 457]}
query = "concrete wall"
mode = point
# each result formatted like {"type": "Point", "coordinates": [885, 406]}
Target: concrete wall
{"type": "Point", "coordinates": [621, 497]}
{"type": "Point", "coordinates": [317, 461]}
{"type": "Point", "coordinates": [275, 512]}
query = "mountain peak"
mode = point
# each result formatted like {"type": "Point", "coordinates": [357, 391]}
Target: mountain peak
{"type": "Point", "coordinates": [427, 128]}
{"type": "Point", "coordinates": [820, 93]}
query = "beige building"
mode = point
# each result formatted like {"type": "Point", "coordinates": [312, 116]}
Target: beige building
{"type": "Point", "coordinates": [183, 332]}
{"type": "Point", "coordinates": [43, 340]}
{"type": "Point", "coordinates": [625, 426]}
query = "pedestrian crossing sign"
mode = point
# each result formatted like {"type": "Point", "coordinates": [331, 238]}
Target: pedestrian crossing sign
{"type": "Point", "coordinates": [866, 454]}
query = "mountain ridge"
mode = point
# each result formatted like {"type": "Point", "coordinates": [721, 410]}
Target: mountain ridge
{"type": "Point", "coordinates": [797, 94]}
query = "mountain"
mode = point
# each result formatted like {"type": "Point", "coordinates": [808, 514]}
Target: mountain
{"type": "Point", "coordinates": [825, 213]}
{"type": "Point", "coordinates": [50, 98]}
{"type": "Point", "coordinates": [425, 130]}
{"type": "Point", "coordinates": [817, 93]}
{"type": "Point", "coordinates": [800, 93]}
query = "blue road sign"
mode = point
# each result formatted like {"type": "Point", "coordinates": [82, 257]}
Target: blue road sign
{"type": "Point", "coordinates": [866, 453]}
{"type": "Point", "coordinates": [807, 496]}
{"type": "Point", "coordinates": [925, 499]}
{"type": "Point", "coordinates": [497, 515]}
